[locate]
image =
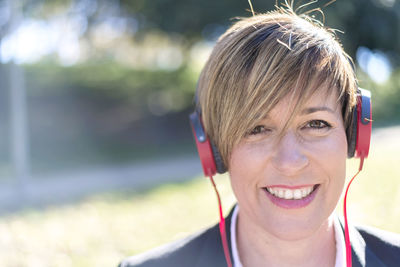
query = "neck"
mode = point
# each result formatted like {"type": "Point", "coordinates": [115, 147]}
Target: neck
{"type": "Point", "coordinates": [257, 247]}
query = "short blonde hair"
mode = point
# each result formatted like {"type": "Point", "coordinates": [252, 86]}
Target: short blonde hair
{"type": "Point", "coordinates": [261, 59]}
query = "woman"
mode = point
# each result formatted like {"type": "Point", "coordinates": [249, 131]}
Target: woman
{"type": "Point", "coordinates": [277, 98]}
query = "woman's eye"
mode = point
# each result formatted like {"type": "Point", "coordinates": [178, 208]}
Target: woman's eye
{"type": "Point", "coordinates": [318, 124]}
{"type": "Point", "coordinates": [257, 130]}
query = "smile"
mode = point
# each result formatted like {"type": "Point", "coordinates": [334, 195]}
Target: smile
{"type": "Point", "coordinates": [287, 193]}
{"type": "Point", "coordinates": [291, 198]}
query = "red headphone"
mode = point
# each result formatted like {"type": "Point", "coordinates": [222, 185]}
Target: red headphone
{"type": "Point", "coordinates": [358, 137]}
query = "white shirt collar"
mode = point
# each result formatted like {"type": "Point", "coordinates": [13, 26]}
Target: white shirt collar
{"type": "Point", "coordinates": [340, 260]}
{"type": "Point", "coordinates": [235, 253]}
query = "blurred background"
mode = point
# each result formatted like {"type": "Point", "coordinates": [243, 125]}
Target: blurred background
{"type": "Point", "coordinates": [97, 160]}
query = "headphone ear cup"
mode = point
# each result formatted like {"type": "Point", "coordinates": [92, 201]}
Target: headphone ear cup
{"type": "Point", "coordinates": [206, 153]}
{"type": "Point", "coordinates": [352, 134]}
{"type": "Point", "coordinates": [218, 159]}
{"type": "Point", "coordinates": [364, 123]}
{"type": "Point", "coordinates": [359, 131]}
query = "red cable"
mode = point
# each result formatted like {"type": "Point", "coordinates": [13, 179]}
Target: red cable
{"type": "Point", "coordinates": [222, 229]}
{"type": "Point", "coordinates": [346, 228]}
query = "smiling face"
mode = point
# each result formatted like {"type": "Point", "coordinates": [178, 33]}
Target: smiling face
{"type": "Point", "coordinates": [288, 183]}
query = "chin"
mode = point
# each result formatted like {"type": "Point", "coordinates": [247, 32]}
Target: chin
{"type": "Point", "coordinates": [294, 225]}
{"type": "Point", "coordinates": [292, 231]}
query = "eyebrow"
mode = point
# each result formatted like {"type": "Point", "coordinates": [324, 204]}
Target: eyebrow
{"type": "Point", "coordinates": [316, 109]}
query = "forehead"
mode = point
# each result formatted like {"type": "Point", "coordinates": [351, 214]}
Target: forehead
{"type": "Point", "coordinates": [323, 97]}
{"type": "Point", "coordinates": [291, 105]}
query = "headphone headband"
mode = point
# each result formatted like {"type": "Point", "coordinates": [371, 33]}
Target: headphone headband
{"type": "Point", "coordinates": [358, 140]}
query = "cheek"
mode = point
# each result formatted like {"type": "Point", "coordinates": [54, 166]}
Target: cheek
{"type": "Point", "coordinates": [244, 165]}
{"type": "Point", "coordinates": [330, 151]}
{"type": "Point", "coordinates": [247, 167]}
{"type": "Point", "coordinates": [249, 156]}
{"type": "Point", "coordinates": [237, 166]}
{"type": "Point", "coordinates": [247, 162]}
{"type": "Point", "coordinates": [331, 159]}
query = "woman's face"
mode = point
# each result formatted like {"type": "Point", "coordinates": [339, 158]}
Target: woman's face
{"type": "Point", "coordinates": [289, 183]}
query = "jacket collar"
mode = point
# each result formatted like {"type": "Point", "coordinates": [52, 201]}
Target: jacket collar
{"type": "Point", "coordinates": [360, 252]}
{"type": "Point", "coordinates": [212, 254]}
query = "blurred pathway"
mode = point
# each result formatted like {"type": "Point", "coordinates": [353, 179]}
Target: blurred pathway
{"type": "Point", "coordinates": [67, 187]}
{"type": "Point", "coordinates": [386, 136]}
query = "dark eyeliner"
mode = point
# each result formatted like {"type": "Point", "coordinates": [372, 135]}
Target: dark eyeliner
{"type": "Point", "coordinates": [325, 124]}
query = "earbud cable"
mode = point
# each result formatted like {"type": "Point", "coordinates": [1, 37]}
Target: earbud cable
{"type": "Point", "coordinates": [222, 228]}
{"type": "Point", "coordinates": [346, 228]}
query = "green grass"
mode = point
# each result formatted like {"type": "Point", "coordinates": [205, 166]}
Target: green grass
{"type": "Point", "coordinates": [101, 230]}
{"type": "Point", "coordinates": [374, 196]}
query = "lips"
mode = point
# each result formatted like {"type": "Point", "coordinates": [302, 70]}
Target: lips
{"type": "Point", "coordinates": [291, 197]}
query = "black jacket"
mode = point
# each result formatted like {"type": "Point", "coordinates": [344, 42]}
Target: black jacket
{"type": "Point", "coordinates": [371, 247]}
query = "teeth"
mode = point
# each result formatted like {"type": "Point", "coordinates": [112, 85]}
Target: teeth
{"type": "Point", "coordinates": [289, 193]}
{"type": "Point", "coordinates": [304, 192]}
{"type": "Point", "coordinates": [297, 194]}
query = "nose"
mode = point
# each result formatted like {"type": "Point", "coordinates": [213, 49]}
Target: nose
{"type": "Point", "coordinates": [289, 157]}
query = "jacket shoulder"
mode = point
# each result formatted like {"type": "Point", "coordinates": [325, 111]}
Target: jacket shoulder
{"type": "Point", "coordinates": [183, 252]}
{"type": "Point", "coordinates": [384, 244]}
